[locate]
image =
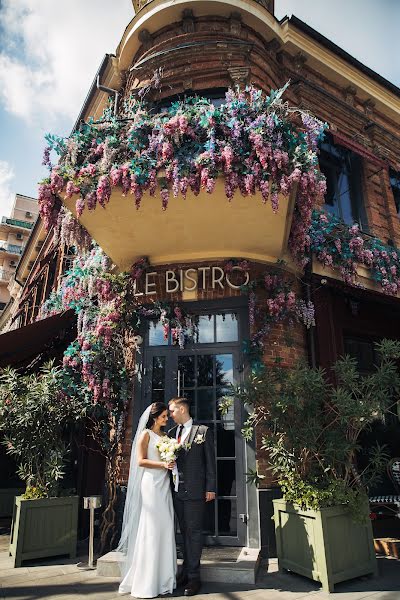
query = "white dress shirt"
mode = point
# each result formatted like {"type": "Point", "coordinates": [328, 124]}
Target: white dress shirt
{"type": "Point", "coordinates": [185, 431]}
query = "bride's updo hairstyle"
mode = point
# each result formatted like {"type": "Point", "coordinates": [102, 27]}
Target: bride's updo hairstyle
{"type": "Point", "coordinates": [157, 409]}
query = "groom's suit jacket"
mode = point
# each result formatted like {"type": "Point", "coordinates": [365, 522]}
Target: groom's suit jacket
{"type": "Point", "coordinates": [196, 462]}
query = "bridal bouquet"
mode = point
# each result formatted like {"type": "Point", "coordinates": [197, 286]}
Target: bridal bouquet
{"type": "Point", "coordinates": [168, 449]}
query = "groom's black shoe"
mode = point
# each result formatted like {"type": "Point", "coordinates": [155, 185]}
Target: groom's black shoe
{"type": "Point", "coordinates": [192, 588]}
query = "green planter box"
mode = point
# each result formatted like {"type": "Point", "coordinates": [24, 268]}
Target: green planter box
{"type": "Point", "coordinates": [325, 545]}
{"type": "Point", "coordinates": [7, 500]}
{"type": "Point", "coordinates": [45, 527]}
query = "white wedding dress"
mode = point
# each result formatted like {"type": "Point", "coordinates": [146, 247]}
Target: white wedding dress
{"type": "Point", "coordinates": [153, 568]}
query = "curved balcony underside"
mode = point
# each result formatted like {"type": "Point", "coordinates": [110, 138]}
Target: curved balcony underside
{"type": "Point", "coordinates": [206, 227]}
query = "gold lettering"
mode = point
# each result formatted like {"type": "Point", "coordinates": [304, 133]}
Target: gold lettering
{"type": "Point", "coordinates": [170, 277]}
{"type": "Point", "coordinates": [215, 279]}
{"type": "Point", "coordinates": [232, 285]}
{"type": "Point", "coordinates": [150, 284]}
{"type": "Point", "coordinates": [189, 278]}
{"type": "Point", "coordinates": [203, 271]}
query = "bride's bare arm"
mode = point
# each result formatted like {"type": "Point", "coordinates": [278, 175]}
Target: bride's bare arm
{"type": "Point", "coordinates": [142, 459]}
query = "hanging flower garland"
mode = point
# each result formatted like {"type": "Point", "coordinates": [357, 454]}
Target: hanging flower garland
{"type": "Point", "coordinates": [257, 143]}
{"type": "Point", "coordinates": [344, 248]}
{"type": "Point", "coordinates": [279, 305]}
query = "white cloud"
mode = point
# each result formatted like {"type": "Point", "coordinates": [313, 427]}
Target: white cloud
{"type": "Point", "coordinates": [52, 50]}
{"type": "Point", "coordinates": [6, 195]}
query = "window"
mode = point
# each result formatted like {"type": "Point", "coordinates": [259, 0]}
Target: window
{"type": "Point", "coordinates": [343, 171]}
{"type": "Point", "coordinates": [211, 329]}
{"type": "Point", "coordinates": [395, 185]}
{"type": "Point", "coordinates": [216, 97]}
{"type": "Point", "coordinates": [364, 351]}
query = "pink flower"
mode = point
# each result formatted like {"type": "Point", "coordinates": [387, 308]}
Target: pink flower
{"type": "Point", "coordinates": [103, 191]}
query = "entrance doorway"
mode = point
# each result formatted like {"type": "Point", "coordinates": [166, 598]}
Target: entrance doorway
{"type": "Point", "coordinates": [203, 372]}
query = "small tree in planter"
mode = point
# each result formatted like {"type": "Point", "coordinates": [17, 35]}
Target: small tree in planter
{"type": "Point", "coordinates": [311, 431]}
{"type": "Point", "coordinates": [33, 416]}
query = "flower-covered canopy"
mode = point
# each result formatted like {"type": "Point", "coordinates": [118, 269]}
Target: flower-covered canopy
{"type": "Point", "coordinates": [256, 143]}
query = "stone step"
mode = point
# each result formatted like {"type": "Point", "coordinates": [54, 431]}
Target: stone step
{"type": "Point", "coordinates": [216, 565]}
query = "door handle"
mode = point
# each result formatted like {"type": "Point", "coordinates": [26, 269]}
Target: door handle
{"type": "Point", "coordinates": [179, 383]}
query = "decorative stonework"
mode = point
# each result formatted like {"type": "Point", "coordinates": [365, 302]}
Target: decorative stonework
{"type": "Point", "coordinates": [369, 106]}
{"type": "Point", "coordinates": [235, 23]}
{"type": "Point", "coordinates": [298, 61]}
{"type": "Point", "coordinates": [273, 46]}
{"type": "Point", "coordinates": [239, 75]}
{"type": "Point", "coordinates": [349, 94]}
{"type": "Point", "coordinates": [145, 38]}
{"type": "Point", "coordinates": [188, 22]}
{"type": "Point", "coordinates": [187, 84]}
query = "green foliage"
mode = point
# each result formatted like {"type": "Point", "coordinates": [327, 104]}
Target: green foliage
{"type": "Point", "coordinates": [311, 428]}
{"type": "Point", "coordinates": [33, 414]}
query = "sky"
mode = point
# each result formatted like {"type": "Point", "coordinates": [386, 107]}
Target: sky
{"type": "Point", "coordinates": [50, 51]}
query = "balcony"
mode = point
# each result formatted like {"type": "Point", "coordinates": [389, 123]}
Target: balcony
{"type": "Point", "coordinates": [11, 248]}
{"type": "Point", "coordinates": [5, 276]}
{"type": "Point", "coordinates": [206, 227]}
{"type": "Point", "coordinates": [227, 180]}
{"type": "Point", "coordinates": [17, 223]}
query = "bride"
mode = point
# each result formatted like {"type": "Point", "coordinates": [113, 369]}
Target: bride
{"type": "Point", "coordinates": [147, 544]}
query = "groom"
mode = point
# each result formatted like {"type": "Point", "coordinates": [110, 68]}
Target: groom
{"type": "Point", "coordinates": [196, 467]}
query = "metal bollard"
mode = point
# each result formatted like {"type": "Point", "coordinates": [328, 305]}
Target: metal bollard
{"type": "Point", "coordinates": [91, 503]}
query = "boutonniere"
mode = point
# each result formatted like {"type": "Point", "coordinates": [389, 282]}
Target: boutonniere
{"type": "Point", "coordinates": [200, 438]}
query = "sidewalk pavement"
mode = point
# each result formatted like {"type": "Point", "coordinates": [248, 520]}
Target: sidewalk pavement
{"type": "Point", "coordinates": [60, 579]}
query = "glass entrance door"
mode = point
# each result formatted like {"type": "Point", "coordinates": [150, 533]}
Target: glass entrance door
{"type": "Point", "coordinates": [203, 372]}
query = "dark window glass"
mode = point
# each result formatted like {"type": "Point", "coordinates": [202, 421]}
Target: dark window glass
{"type": "Point", "coordinates": [186, 371]}
{"type": "Point", "coordinates": [227, 517]}
{"type": "Point", "coordinates": [363, 350]}
{"type": "Point", "coordinates": [226, 439]}
{"type": "Point", "coordinates": [216, 96]}
{"type": "Point", "coordinates": [205, 405]}
{"type": "Point", "coordinates": [343, 171]}
{"type": "Point", "coordinates": [395, 185]}
{"type": "Point", "coordinates": [158, 372]}
{"type": "Point", "coordinates": [226, 471]}
{"type": "Point", "coordinates": [205, 375]}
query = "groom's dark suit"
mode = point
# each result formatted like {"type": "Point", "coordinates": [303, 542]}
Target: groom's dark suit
{"type": "Point", "coordinates": [196, 466]}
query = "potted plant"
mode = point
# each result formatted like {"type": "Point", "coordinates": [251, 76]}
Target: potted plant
{"type": "Point", "coordinates": [33, 415]}
{"type": "Point", "coordinates": [310, 430]}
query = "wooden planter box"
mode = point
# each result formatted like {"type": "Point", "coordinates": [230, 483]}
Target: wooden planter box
{"type": "Point", "coordinates": [325, 545]}
{"type": "Point", "coordinates": [43, 527]}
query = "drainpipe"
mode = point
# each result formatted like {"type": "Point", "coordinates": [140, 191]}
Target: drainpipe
{"type": "Point", "coordinates": [311, 331]}
{"type": "Point", "coordinates": [108, 90]}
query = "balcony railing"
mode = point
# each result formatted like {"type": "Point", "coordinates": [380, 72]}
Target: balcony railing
{"type": "Point", "coordinates": [11, 248]}
{"type": "Point", "coordinates": [5, 275]}
{"type": "Point", "coordinates": [17, 223]}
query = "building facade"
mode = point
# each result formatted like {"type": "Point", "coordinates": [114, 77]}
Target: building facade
{"type": "Point", "coordinates": [205, 253]}
{"type": "Point", "coordinates": [14, 233]}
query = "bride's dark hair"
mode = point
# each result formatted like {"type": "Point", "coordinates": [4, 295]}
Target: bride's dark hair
{"type": "Point", "coordinates": [157, 409]}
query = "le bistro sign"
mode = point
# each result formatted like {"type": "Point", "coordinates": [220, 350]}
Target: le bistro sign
{"type": "Point", "coordinates": [188, 280]}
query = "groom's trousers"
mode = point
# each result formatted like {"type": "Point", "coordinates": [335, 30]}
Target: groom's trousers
{"type": "Point", "coordinates": [190, 515]}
